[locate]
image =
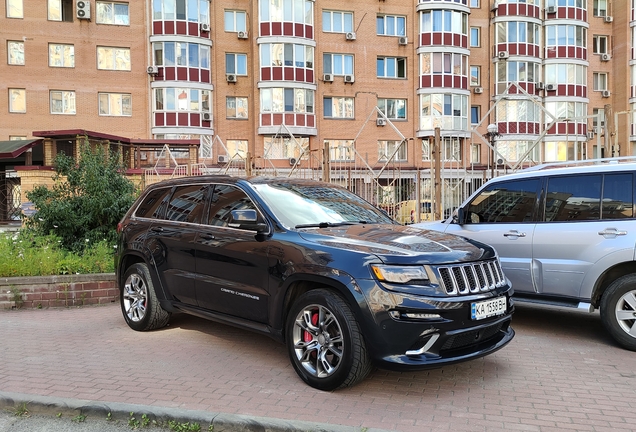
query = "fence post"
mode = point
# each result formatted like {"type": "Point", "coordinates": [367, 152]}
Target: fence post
{"type": "Point", "coordinates": [325, 163]}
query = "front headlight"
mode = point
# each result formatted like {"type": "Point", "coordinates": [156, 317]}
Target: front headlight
{"type": "Point", "coordinates": [400, 274]}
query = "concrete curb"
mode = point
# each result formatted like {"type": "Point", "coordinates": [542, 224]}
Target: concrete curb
{"type": "Point", "coordinates": [45, 405]}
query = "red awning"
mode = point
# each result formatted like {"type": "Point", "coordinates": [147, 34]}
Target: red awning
{"type": "Point", "coordinates": [14, 148]}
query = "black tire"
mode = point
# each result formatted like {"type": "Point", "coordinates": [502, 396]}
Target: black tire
{"type": "Point", "coordinates": [139, 302]}
{"type": "Point", "coordinates": [321, 325]}
{"type": "Point", "coordinates": [618, 311]}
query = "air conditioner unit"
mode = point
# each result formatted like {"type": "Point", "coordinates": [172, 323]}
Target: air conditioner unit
{"type": "Point", "coordinates": [380, 122]}
{"type": "Point", "coordinates": [478, 90]}
{"type": "Point", "coordinates": [242, 35]}
{"type": "Point", "coordinates": [83, 9]}
{"type": "Point", "coordinates": [230, 78]}
{"type": "Point", "coordinates": [590, 135]}
{"type": "Point", "coordinates": [598, 130]}
{"type": "Point", "coordinates": [551, 9]}
{"type": "Point", "coordinates": [293, 161]}
{"type": "Point", "coordinates": [222, 159]}
{"type": "Point", "coordinates": [503, 54]}
{"type": "Point", "coordinates": [350, 36]}
{"type": "Point", "coordinates": [152, 70]}
{"type": "Point", "coordinates": [204, 27]}
{"type": "Point", "coordinates": [349, 78]}
{"type": "Point", "coordinates": [551, 87]}
{"type": "Point", "coordinates": [499, 161]}
{"type": "Point", "coordinates": [495, 5]}
{"type": "Point", "coordinates": [606, 57]}
{"type": "Point", "coordinates": [540, 85]}
{"type": "Point", "coordinates": [403, 40]}
{"type": "Point", "coordinates": [207, 116]}
{"type": "Point", "coordinates": [608, 19]}
{"type": "Point", "coordinates": [327, 78]}
{"type": "Point", "coordinates": [606, 93]}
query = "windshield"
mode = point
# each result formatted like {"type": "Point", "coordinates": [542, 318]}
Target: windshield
{"type": "Point", "coordinates": [307, 205]}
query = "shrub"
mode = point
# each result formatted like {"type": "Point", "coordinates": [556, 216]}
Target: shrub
{"type": "Point", "coordinates": [87, 200]}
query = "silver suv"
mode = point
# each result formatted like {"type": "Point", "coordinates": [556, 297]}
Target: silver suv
{"type": "Point", "coordinates": [566, 236]}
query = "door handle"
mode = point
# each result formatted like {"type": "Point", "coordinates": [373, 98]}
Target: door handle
{"type": "Point", "coordinates": [612, 232]}
{"type": "Point", "coordinates": [207, 236]}
{"type": "Point", "coordinates": [514, 233]}
{"type": "Point", "coordinates": [157, 229]}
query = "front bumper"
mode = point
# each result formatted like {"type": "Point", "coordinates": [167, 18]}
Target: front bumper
{"type": "Point", "coordinates": [418, 332]}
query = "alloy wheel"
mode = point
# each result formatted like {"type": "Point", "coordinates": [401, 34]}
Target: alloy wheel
{"type": "Point", "coordinates": [135, 297]}
{"type": "Point", "coordinates": [626, 312]}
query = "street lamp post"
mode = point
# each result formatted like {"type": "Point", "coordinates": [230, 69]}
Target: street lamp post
{"type": "Point", "coordinates": [491, 136]}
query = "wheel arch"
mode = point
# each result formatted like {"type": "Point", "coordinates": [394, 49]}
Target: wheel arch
{"type": "Point", "coordinates": [609, 276]}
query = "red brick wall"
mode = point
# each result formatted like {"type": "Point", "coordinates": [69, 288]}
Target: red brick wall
{"type": "Point", "coordinates": [57, 291]}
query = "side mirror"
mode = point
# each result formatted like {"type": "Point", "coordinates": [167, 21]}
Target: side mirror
{"type": "Point", "coordinates": [248, 220]}
{"type": "Point", "coordinates": [460, 216]}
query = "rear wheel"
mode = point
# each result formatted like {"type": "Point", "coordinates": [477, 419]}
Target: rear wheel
{"type": "Point", "coordinates": [324, 341]}
{"type": "Point", "coordinates": [139, 302]}
{"type": "Point", "coordinates": [618, 311]}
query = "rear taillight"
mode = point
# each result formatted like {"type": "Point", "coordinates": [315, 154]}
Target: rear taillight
{"type": "Point", "coordinates": [119, 227]}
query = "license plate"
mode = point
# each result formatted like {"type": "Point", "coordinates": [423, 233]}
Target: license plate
{"type": "Point", "coordinates": [488, 308]}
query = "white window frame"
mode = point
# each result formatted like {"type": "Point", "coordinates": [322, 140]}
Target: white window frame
{"type": "Point", "coordinates": [235, 57]}
{"type": "Point", "coordinates": [600, 81]}
{"type": "Point", "coordinates": [347, 62]}
{"type": "Point", "coordinates": [383, 102]}
{"type": "Point", "coordinates": [340, 150]}
{"type": "Point", "coordinates": [68, 52]}
{"type": "Point", "coordinates": [346, 20]}
{"type": "Point", "coordinates": [114, 52]}
{"type": "Point", "coordinates": [100, 13]}
{"type": "Point", "coordinates": [115, 98]}
{"type": "Point", "coordinates": [238, 20]}
{"type": "Point", "coordinates": [477, 35]}
{"type": "Point", "coordinates": [387, 147]}
{"type": "Point", "coordinates": [241, 101]}
{"type": "Point", "coordinates": [340, 104]}
{"type": "Point", "coordinates": [596, 44]}
{"type": "Point", "coordinates": [67, 98]}
{"type": "Point", "coordinates": [475, 78]}
{"type": "Point", "coordinates": [20, 47]}
{"type": "Point", "coordinates": [21, 94]}
{"type": "Point", "coordinates": [384, 31]}
{"type": "Point", "coordinates": [396, 60]}
{"type": "Point", "coordinates": [15, 8]}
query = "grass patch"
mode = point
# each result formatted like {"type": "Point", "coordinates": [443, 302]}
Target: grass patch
{"type": "Point", "coordinates": [27, 254]}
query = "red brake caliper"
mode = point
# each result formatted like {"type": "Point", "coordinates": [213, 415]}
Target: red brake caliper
{"type": "Point", "coordinates": [314, 320]}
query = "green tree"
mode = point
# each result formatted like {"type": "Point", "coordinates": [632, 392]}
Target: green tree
{"type": "Point", "coordinates": [87, 200]}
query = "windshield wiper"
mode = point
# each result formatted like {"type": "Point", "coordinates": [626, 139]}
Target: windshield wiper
{"type": "Point", "coordinates": [327, 224]}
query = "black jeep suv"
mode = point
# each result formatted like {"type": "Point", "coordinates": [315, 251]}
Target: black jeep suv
{"type": "Point", "coordinates": [314, 266]}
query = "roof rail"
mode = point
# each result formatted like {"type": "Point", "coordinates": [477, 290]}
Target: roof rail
{"type": "Point", "coordinates": [585, 162]}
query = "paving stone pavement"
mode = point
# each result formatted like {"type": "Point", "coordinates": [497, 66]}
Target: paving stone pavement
{"type": "Point", "coordinates": [561, 372]}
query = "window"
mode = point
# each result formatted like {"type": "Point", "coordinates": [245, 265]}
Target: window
{"type": "Point", "coordinates": [517, 31]}
{"type": "Point", "coordinates": [338, 107]}
{"type": "Point", "coordinates": [446, 111]}
{"type": "Point", "coordinates": [60, 10]}
{"type": "Point", "coordinates": [599, 44]}
{"type": "Point", "coordinates": [115, 104]}
{"type": "Point", "coordinates": [236, 64]}
{"type": "Point", "coordinates": [387, 148]}
{"type": "Point", "coordinates": [598, 117]}
{"type": "Point", "coordinates": [600, 8]}
{"type": "Point", "coordinates": [618, 198]}
{"type": "Point", "coordinates": [61, 55]}
{"type": "Point", "coordinates": [225, 199]}
{"type": "Point", "coordinates": [337, 21]}
{"type": "Point", "coordinates": [337, 64]}
{"type": "Point", "coordinates": [504, 202]}
{"type": "Point", "coordinates": [112, 13]}
{"type": "Point", "coordinates": [475, 114]}
{"type": "Point", "coordinates": [444, 63]}
{"type": "Point", "coordinates": [394, 109]}
{"type": "Point", "coordinates": [15, 52]}
{"type": "Point", "coordinates": [17, 100]}
{"type": "Point", "coordinates": [566, 35]}
{"type": "Point", "coordinates": [109, 58]}
{"type": "Point", "coordinates": [236, 148]}
{"type": "Point", "coordinates": [15, 9]}
{"type": "Point", "coordinates": [234, 21]}
{"type": "Point", "coordinates": [473, 3]}
{"type": "Point", "coordinates": [340, 150]}
{"type": "Point", "coordinates": [17, 137]}
{"type": "Point", "coordinates": [285, 54]}
{"type": "Point", "coordinates": [297, 11]}
{"type": "Point", "coordinates": [184, 10]}
{"type": "Point", "coordinates": [440, 20]}
{"type": "Point", "coordinates": [475, 37]}
{"type": "Point", "coordinates": [287, 100]}
{"type": "Point", "coordinates": [153, 205]}
{"type": "Point", "coordinates": [475, 75]}
{"type": "Point", "coordinates": [391, 67]}
{"type": "Point", "coordinates": [236, 107]}
{"type": "Point", "coordinates": [62, 102]}
{"type": "Point", "coordinates": [389, 25]}
{"type": "Point", "coordinates": [571, 198]}
{"type": "Point", "coordinates": [187, 204]}
{"type": "Point", "coordinates": [475, 153]}
{"type": "Point", "coordinates": [285, 148]}
{"type": "Point", "coordinates": [182, 54]}
{"type": "Point", "coordinates": [565, 73]}
{"type": "Point", "coordinates": [600, 81]}
{"type": "Point", "coordinates": [182, 99]}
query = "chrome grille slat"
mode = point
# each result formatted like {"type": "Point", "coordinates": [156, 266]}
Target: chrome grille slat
{"type": "Point", "coordinates": [461, 279]}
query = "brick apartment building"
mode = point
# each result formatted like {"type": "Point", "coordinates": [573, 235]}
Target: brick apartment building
{"type": "Point", "coordinates": [275, 82]}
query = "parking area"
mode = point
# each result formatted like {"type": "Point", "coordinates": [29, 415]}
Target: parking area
{"type": "Point", "coordinates": [561, 372]}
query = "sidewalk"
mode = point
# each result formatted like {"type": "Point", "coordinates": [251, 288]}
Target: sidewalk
{"type": "Point", "coordinates": [562, 371]}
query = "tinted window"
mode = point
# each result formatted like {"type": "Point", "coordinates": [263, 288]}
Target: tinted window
{"type": "Point", "coordinates": [573, 198]}
{"type": "Point", "coordinates": [186, 204]}
{"type": "Point", "coordinates": [505, 202]}
{"type": "Point", "coordinates": [151, 206]}
{"type": "Point", "coordinates": [618, 196]}
{"type": "Point", "coordinates": [225, 199]}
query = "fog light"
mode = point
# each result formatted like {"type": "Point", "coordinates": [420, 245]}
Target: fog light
{"type": "Point", "coordinates": [410, 315]}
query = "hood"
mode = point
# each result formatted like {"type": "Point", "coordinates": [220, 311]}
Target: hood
{"type": "Point", "coordinates": [397, 244]}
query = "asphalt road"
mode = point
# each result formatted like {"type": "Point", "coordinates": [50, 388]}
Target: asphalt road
{"type": "Point", "coordinates": [561, 372]}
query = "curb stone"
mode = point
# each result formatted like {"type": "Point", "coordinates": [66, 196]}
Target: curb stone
{"type": "Point", "coordinates": [45, 405]}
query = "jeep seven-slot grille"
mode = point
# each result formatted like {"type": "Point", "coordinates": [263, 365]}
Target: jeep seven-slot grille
{"type": "Point", "coordinates": [458, 279]}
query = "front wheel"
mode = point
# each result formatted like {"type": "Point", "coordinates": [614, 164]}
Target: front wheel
{"type": "Point", "coordinates": [139, 302]}
{"type": "Point", "coordinates": [618, 311]}
{"type": "Point", "coordinates": [324, 341]}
